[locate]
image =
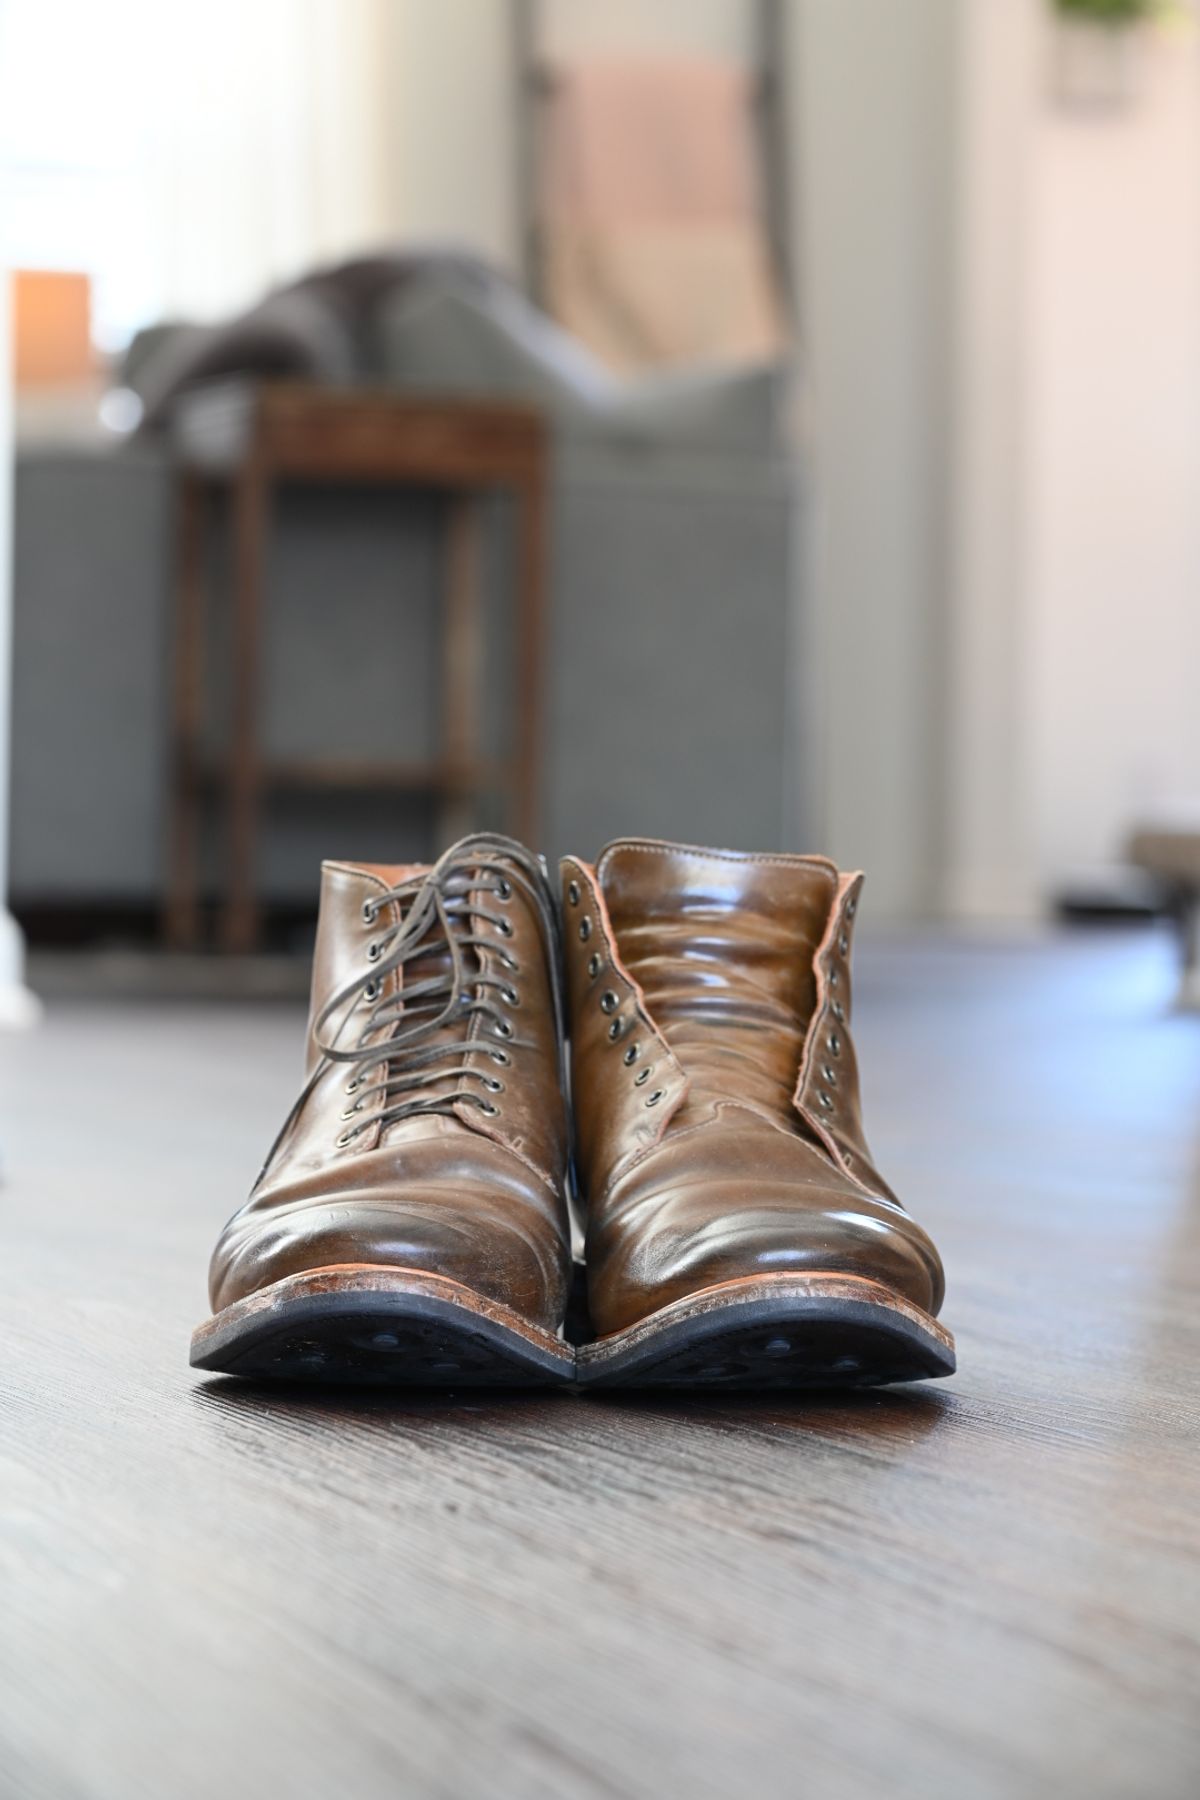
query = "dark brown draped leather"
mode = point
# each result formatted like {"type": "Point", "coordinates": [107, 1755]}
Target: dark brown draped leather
{"type": "Point", "coordinates": [715, 1087]}
{"type": "Point", "coordinates": [472, 1195]}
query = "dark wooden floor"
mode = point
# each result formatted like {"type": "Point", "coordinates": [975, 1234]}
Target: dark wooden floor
{"type": "Point", "coordinates": [988, 1588]}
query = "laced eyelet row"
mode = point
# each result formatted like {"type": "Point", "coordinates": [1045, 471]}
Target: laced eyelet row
{"type": "Point", "coordinates": [508, 995]}
{"type": "Point", "coordinates": [447, 902]}
{"type": "Point", "coordinates": [610, 1002]}
{"type": "Point", "coordinates": [370, 994]}
{"type": "Point", "coordinates": [833, 1040]}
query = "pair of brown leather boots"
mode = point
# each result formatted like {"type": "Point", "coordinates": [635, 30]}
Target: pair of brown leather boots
{"type": "Point", "coordinates": [413, 1220]}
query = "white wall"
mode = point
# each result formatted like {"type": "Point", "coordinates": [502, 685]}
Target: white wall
{"type": "Point", "coordinates": [873, 86]}
{"type": "Point", "coordinates": [1114, 463]}
{"type": "Point", "coordinates": [987, 864]}
{"type": "Point", "coordinates": [450, 85]}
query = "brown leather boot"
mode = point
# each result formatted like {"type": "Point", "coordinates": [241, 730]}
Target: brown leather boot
{"type": "Point", "coordinates": [411, 1222]}
{"type": "Point", "coordinates": [738, 1233]}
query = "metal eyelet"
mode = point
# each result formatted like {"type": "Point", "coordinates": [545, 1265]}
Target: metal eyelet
{"type": "Point", "coordinates": [829, 1074]}
{"type": "Point", "coordinates": [572, 893]}
{"type": "Point", "coordinates": [510, 996]}
{"type": "Point", "coordinates": [353, 1085]}
{"type": "Point", "coordinates": [595, 964]}
{"type": "Point", "coordinates": [351, 1110]}
{"type": "Point", "coordinates": [834, 978]}
{"type": "Point", "coordinates": [493, 1085]}
{"type": "Point", "coordinates": [369, 912]}
{"type": "Point", "coordinates": [609, 1002]}
{"type": "Point", "coordinates": [615, 1030]}
{"type": "Point", "coordinates": [341, 1142]}
{"type": "Point", "coordinates": [631, 1055]}
{"type": "Point", "coordinates": [504, 927]}
{"type": "Point", "coordinates": [374, 952]}
{"type": "Point", "coordinates": [502, 1028]}
{"type": "Point", "coordinates": [500, 1056]}
{"type": "Point", "coordinates": [833, 1044]}
{"type": "Point", "coordinates": [852, 906]}
{"type": "Point", "coordinates": [843, 944]}
{"type": "Point", "coordinates": [643, 1078]}
{"type": "Point", "coordinates": [509, 962]}
{"type": "Point", "coordinates": [825, 1100]}
{"type": "Point", "coordinates": [487, 1107]}
{"type": "Point", "coordinates": [373, 989]}
{"type": "Point", "coordinates": [654, 1098]}
{"type": "Point", "coordinates": [838, 1011]}
{"type": "Point", "coordinates": [585, 929]}
{"type": "Point", "coordinates": [503, 889]}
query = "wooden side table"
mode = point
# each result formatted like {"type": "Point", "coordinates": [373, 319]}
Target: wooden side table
{"type": "Point", "coordinates": [284, 432]}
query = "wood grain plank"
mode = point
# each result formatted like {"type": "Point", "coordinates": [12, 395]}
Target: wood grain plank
{"type": "Point", "coordinates": [991, 1588]}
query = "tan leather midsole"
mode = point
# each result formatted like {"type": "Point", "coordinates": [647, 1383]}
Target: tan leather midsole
{"type": "Point", "coordinates": [724, 1296]}
{"type": "Point", "coordinates": [370, 1278]}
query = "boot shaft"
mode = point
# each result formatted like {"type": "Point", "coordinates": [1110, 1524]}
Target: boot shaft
{"type": "Point", "coordinates": [697, 977]}
{"type": "Point", "coordinates": [484, 963]}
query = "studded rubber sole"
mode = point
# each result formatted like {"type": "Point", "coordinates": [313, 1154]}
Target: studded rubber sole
{"type": "Point", "coordinates": [775, 1331]}
{"type": "Point", "coordinates": [379, 1327]}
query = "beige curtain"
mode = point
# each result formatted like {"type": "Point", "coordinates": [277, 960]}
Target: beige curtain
{"type": "Point", "coordinates": [655, 251]}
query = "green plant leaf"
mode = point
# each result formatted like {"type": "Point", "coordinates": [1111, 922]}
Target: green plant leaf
{"type": "Point", "coordinates": [1107, 12]}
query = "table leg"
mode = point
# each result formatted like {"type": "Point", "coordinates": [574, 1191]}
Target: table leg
{"type": "Point", "coordinates": [181, 913]}
{"type": "Point", "coordinates": [462, 670]}
{"type": "Point", "coordinates": [240, 925]}
{"type": "Point", "coordinates": [531, 607]}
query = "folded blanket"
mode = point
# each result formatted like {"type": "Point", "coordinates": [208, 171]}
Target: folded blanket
{"type": "Point", "coordinates": [320, 328]}
{"type": "Point", "coordinates": [655, 250]}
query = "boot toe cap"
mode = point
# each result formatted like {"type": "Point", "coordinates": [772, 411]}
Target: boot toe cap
{"type": "Point", "coordinates": [502, 1244]}
{"type": "Point", "coordinates": [697, 1239]}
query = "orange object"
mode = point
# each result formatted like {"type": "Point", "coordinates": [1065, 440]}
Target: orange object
{"type": "Point", "coordinates": [52, 328]}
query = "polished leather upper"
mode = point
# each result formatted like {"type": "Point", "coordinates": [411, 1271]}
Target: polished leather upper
{"type": "Point", "coordinates": [714, 1082]}
{"type": "Point", "coordinates": [478, 1197]}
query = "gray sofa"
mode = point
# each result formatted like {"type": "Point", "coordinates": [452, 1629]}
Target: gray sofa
{"type": "Point", "coordinates": [676, 521]}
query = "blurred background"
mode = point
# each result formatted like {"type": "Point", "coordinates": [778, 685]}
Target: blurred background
{"type": "Point", "coordinates": [757, 422]}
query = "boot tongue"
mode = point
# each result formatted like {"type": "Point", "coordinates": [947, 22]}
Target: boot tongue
{"type": "Point", "coordinates": [722, 945]}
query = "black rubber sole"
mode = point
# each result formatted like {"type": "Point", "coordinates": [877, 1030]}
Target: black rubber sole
{"type": "Point", "coordinates": [380, 1328]}
{"type": "Point", "coordinates": [775, 1331]}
